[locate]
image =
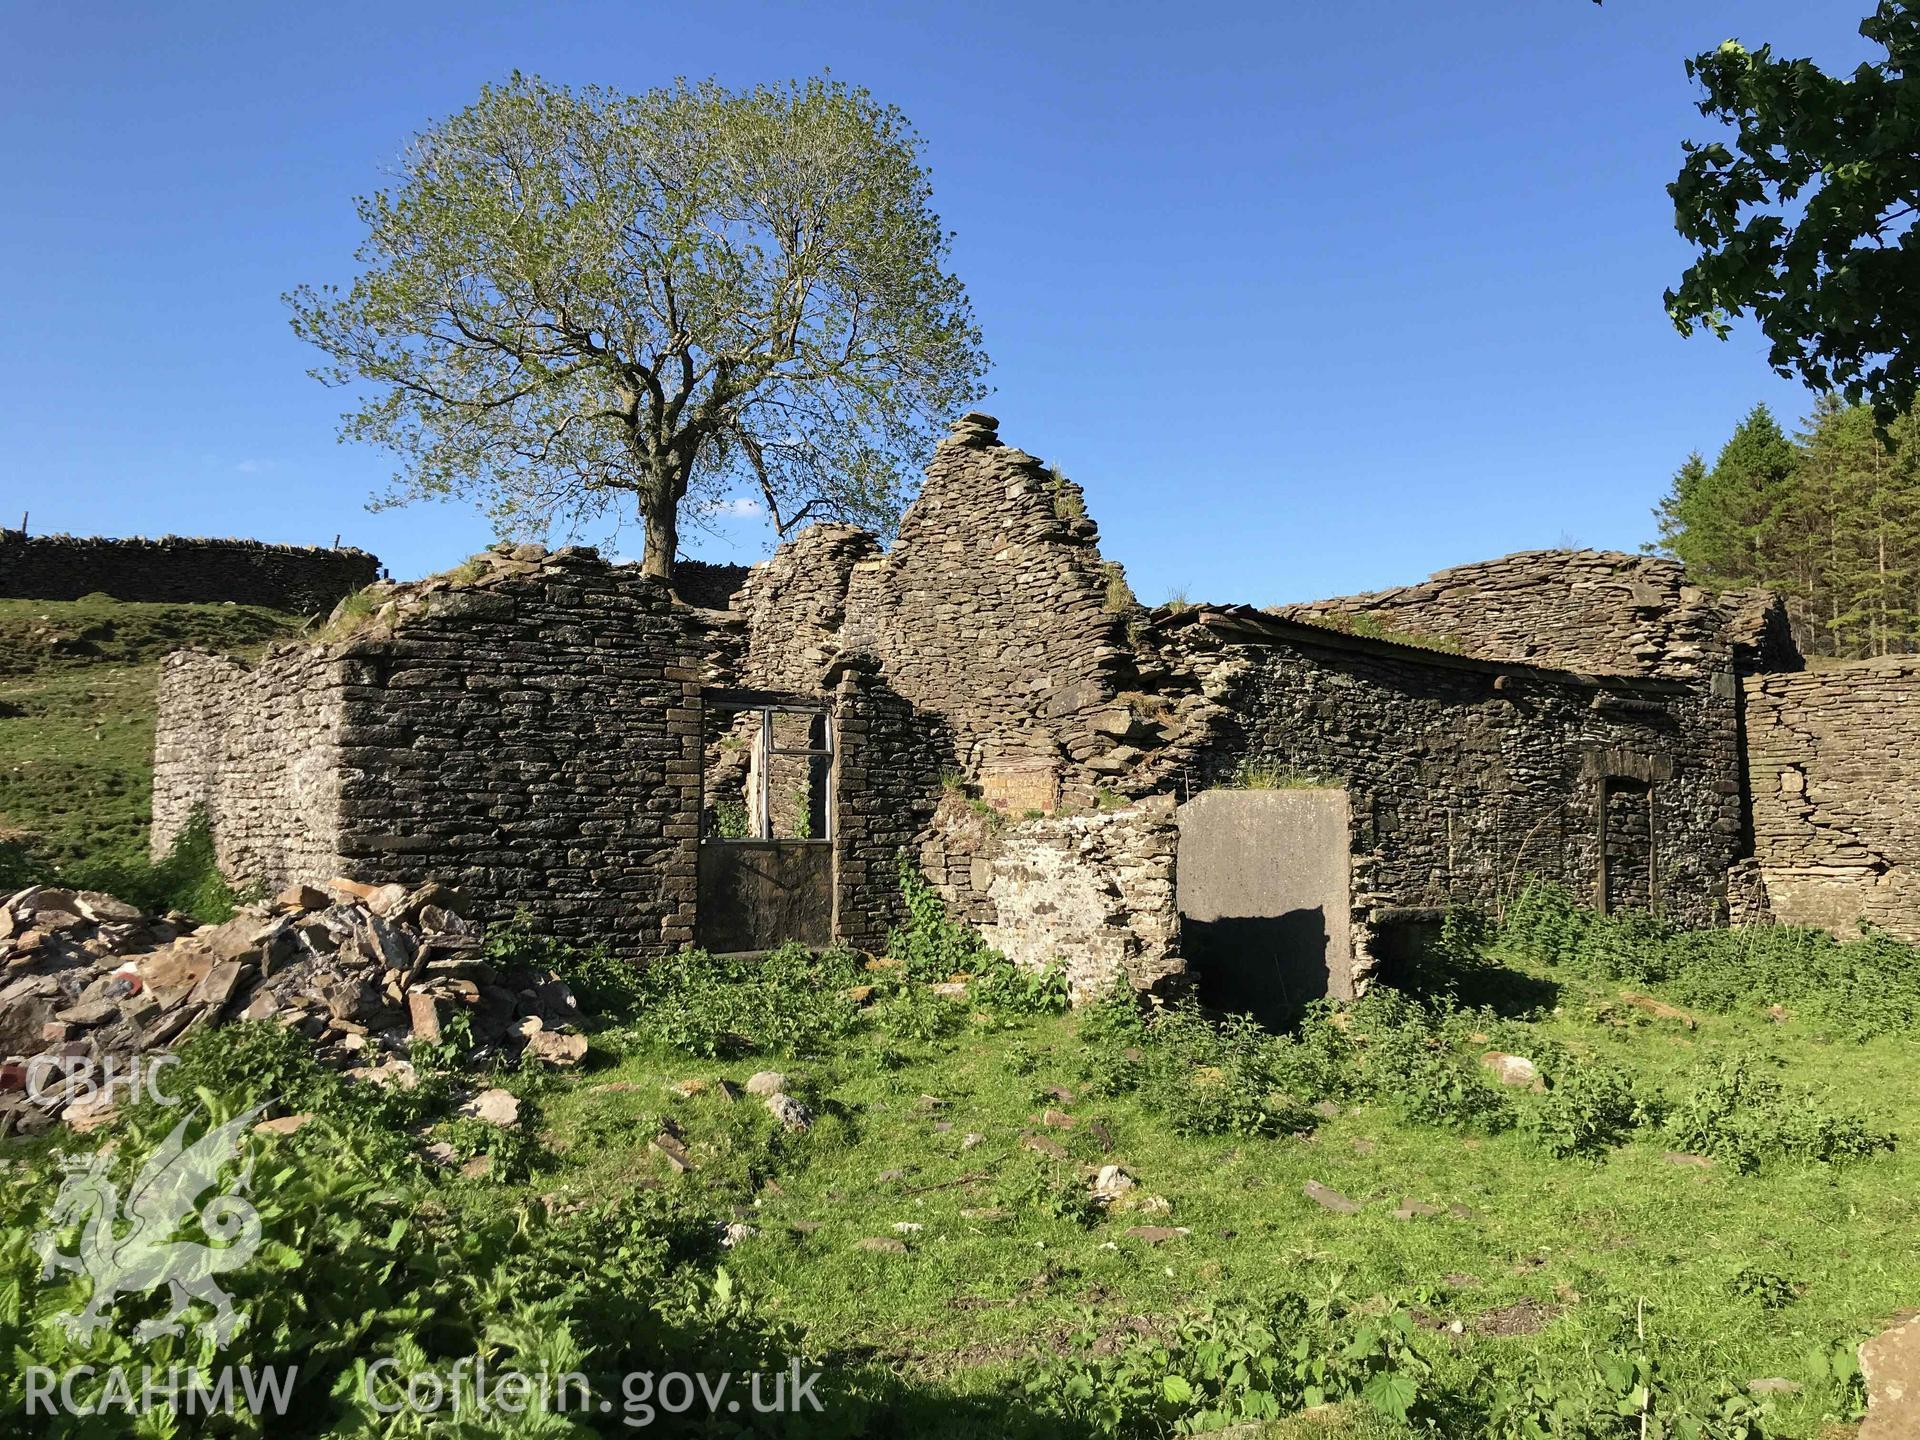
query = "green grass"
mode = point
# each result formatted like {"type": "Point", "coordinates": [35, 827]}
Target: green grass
{"type": "Point", "coordinates": [979, 1302]}
{"type": "Point", "coordinates": [1372, 627]}
{"type": "Point", "coordinates": [1272, 775]}
{"type": "Point", "coordinates": [1011, 1291]}
{"type": "Point", "coordinates": [77, 682]}
{"type": "Point", "coordinates": [983, 1301]}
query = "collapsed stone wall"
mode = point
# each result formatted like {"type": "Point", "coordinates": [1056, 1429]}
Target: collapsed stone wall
{"type": "Point", "coordinates": [531, 736]}
{"type": "Point", "coordinates": [982, 650]}
{"type": "Point", "coordinates": [992, 611]}
{"type": "Point", "coordinates": [256, 750]}
{"type": "Point", "coordinates": [1589, 611]}
{"type": "Point", "coordinates": [306, 580]}
{"type": "Point", "coordinates": [995, 616]}
{"type": "Point", "coordinates": [795, 606]}
{"type": "Point", "coordinates": [1832, 768]}
{"type": "Point", "coordinates": [1465, 777]}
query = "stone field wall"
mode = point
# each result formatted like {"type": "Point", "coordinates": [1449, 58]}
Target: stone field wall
{"type": "Point", "coordinates": [301, 579]}
{"type": "Point", "coordinates": [1833, 762]}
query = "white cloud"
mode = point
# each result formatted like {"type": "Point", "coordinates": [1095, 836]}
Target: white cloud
{"type": "Point", "coordinates": [740, 507]}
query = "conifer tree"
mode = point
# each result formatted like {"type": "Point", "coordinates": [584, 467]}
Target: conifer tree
{"type": "Point", "coordinates": [1830, 518]}
{"type": "Point", "coordinates": [1722, 524]}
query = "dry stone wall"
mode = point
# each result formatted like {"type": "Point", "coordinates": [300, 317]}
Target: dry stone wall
{"type": "Point", "coordinates": [993, 611]}
{"type": "Point", "coordinates": [531, 736]}
{"type": "Point", "coordinates": [1466, 776]}
{"type": "Point", "coordinates": [888, 781]}
{"type": "Point", "coordinates": [301, 579]}
{"type": "Point", "coordinates": [983, 649]}
{"type": "Point", "coordinates": [795, 604]}
{"type": "Point", "coordinates": [256, 750]}
{"type": "Point", "coordinates": [708, 584]}
{"type": "Point", "coordinates": [1590, 611]}
{"type": "Point", "coordinates": [992, 629]}
{"type": "Point", "coordinates": [1833, 763]}
{"type": "Point", "coordinates": [534, 739]}
{"type": "Point", "coordinates": [533, 732]}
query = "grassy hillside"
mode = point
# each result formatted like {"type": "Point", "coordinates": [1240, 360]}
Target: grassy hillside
{"type": "Point", "coordinates": [77, 683]}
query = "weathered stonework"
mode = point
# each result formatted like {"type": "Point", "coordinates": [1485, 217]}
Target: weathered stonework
{"type": "Point", "coordinates": [992, 612]}
{"type": "Point", "coordinates": [1466, 776]}
{"type": "Point", "coordinates": [531, 736]}
{"type": "Point", "coordinates": [795, 605]}
{"type": "Point", "coordinates": [1007, 718]}
{"type": "Point", "coordinates": [1589, 611]}
{"type": "Point", "coordinates": [1833, 764]}
{"type": "Point", "coordinates": [887, 786]}
{"type": "Point", "coordinates": [257, 750]}
{"type": "Point", "coordinates": [1091, 893]}
{"type": "Point", "coordinates": [303, 579]}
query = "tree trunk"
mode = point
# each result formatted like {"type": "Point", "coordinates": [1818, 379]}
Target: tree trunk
{"type": "Point", "coordinates": [659, 507]}
{"type": "Point", "coordinates": [663, 540]}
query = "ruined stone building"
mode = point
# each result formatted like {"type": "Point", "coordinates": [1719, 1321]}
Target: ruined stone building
{"type": "Point", "coordinates": [1283, 798]}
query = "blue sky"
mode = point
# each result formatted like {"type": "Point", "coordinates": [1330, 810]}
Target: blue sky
{"type": "Point", "coordinates": [1311, 298]}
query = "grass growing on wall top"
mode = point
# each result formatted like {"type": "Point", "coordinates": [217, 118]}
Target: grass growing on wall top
{"type": "Point", "coordinates": [1257, 774]}
{"type": "Point", "coordinates": [77, 701]}
{"type": "Point", "coordinates": [1372, 627]}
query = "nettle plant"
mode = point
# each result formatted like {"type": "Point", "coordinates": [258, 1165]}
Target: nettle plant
{"type": "Point", "coordinates": [1238, 1362]}
{"type": "Point", "coordinates": [932, 947]}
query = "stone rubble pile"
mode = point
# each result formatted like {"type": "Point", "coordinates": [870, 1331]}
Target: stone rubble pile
{"type": "Point", "coordinates": [88, 983]}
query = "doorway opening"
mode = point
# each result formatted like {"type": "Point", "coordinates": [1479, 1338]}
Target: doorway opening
{"type": "Point", "coordinates": [766, 823]}
{"type": "Point", "coordinates": [1264, 890]}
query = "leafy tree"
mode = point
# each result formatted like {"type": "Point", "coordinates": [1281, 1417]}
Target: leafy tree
{"type": "Point", "coordinates": [576, 301]}
{"type": "Point", "coordinates": [1806, 218]}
